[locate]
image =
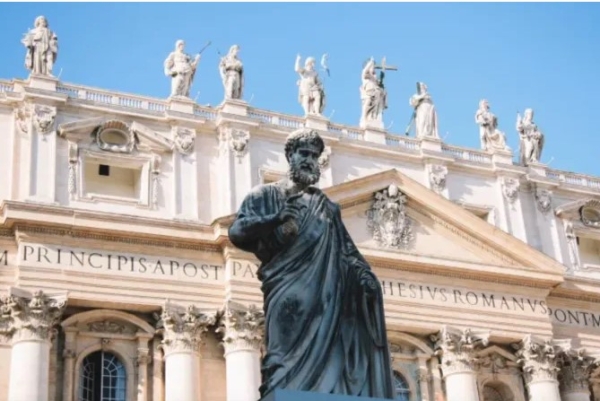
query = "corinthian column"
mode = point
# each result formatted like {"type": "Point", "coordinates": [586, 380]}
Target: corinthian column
{"type": "Point", "coordinates": [242, 329]}
{"type": "Point", "coordinates": [182, 335]}
{"type": "Point", "coordinates": [575, 369]}
{"type": "Point", "coordinates": [457, 350]}
{"type": "Point", "coordinates": [28, 321]}
{"type": "Point", "coordinates": [539, 362]}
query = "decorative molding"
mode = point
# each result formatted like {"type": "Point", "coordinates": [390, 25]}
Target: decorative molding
{"type": "Point", "coordinates": [184, 140]}
{"type": "Point", "coordinates": [437, 177]}
{"type": "Point", "coordinates": [538, 358]}
{"type": "Point", "coordinates": [589, 213]}
{"type": "Point", "coordinates": [183, 328]}
{"type": "Point", "coordinates": [26, 317]}
{"type": "Point", "coordinates": [387, 219]}
{"type": "Point", "coordinates": [73, 152]}
{"type": "Point", "coordinates": [458, 349]}
{"type": "Point", "coordinates": [510, 188]}
{"type": "Point", "coordinates": [575, 371]}
{"type": "Point", "coordinates": [109, 326]}
{"type": "Point", "coordinates": [44, 118]}
{"type": "Point", "coordinates": [127, 142]}
{"type": "Point", "coordinates": [543, 198]}
{"type": "Point", "coordinates": [242, 327]}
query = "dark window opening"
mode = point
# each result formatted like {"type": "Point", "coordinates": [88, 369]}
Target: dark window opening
{"type": "Point", "coordinates": [103, 169]}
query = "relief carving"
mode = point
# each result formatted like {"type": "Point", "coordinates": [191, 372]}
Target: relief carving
{"type": "Point", "coordinates": [184, 140]}
{"type": "Point", "coordinates": [30, 318]}
{"type": "Point", "coordinates": [22, 118]}
{"type": "Point", "coordinates": [242, 327]}
{"type": "Point", "coordinates": [572, 245]}
{"type": "Point", "coordinates": [590, 214]}
{"type": "Point", "coordinates": [115, 136]}
{"type": "Point", "coordinates": [575, 370]}
{"type": "Point", "coordinates": [387, 219]}
{"type": "Point", "coordinates": [108, 326]}
{"type": "Point", "coordinates": [44, 117]}
{"type": "Point", "coordinates": [538, 359]}
{"type": "Point", "coordinates": [437, 177]}
{"type": "Point", "coordinates": [543, 198]}
{"type": "Point", "coordinates": [510, 189]}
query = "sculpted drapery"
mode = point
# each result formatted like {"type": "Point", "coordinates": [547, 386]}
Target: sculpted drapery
{"type": "Point", "coordinates": [324, 319]}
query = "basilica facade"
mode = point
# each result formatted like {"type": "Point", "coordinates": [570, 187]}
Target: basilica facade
{"type": "Point", "coordinates": [118, 281]}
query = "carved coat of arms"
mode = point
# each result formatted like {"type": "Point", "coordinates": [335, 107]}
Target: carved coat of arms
{"type": "Point", "coordinates": [387, 219]}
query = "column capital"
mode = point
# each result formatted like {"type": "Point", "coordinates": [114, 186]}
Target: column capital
{"type": "Point", "coordinates": [26, 316]}
{"type": "Point", "coordinates": [183, 328]}
{"type": "Point", "coordinates": [458, 349]}
{"type": "Point", "coordinates": [538, 358]}
{"type": "Point", "coordinates": [575, 370]}
{"type": "Point", "coordinates": [242, 327]}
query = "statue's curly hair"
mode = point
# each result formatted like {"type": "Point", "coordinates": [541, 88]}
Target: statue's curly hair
{"type": "Point", "coordinates": [303, 136]}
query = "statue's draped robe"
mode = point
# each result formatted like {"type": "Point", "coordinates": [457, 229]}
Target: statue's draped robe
{"type": "Point", "coordinates": [322, 332]}
{"type": "Point", "coordinates": [426, 121]}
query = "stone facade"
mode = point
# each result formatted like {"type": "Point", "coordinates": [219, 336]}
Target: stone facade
{"type": "Point", "coordinates": [114, 251]}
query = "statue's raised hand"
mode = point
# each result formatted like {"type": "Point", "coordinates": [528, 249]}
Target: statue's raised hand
{"type": "Point", "coordinates": [291, 209]}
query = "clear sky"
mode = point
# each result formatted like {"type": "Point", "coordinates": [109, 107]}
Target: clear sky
{"type": "Point", "coordinates": [540, 55]}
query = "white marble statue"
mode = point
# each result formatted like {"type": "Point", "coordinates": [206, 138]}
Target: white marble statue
{"type": "Point", "coordinates": [181, 68]}
{"type": "Point", "coordinates": [490, 136]}
{"type": "Point", "coordinates": [42, 48]}
{"type": "Point", "coordinates": [311, 93]}
{"type": "Point", "coordinates": [426, 121]}
{"type": "Point", "coordinates": [372, 94]}
{"type": "Point", "coordinates": [231, 69]}
{"type": "Point", "coordinates": [531, 138]}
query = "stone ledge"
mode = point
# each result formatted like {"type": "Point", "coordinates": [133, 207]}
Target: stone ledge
{"type": "Point", "coordinates": [291, 395]}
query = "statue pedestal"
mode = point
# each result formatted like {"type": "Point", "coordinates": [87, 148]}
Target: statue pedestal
{"type": "Point", "coordinates": [375, 134]}
{"type": "Point", "coordinates": [181, 104]}
{"type": "Point", "coordinates": [316, 122]}
{"type": "Point", "coordinates": [44, 82]}
{"type": "Point", "coordinates": [537, 168]}
{"type": "Point", "coordinates": [429, 144]}
{"type": "Point", "coordinates": [290, 395]}
{"type": "Point", "coordinates": [234, 106]}
{"type": "Point", "coordinates": [502, 157]}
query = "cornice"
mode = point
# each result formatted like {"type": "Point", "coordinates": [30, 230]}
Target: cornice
{"type": "Point", "coordinates": [578, 289]}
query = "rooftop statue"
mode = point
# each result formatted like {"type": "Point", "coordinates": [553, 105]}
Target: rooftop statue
{"type": "Point", "coordinates": [42, 48]}
{"type": "Point", "coordinates": [373, 95]}
{"type": "Point", "coordinates": [325, 327]}
{"type": "Point", "coordinates": [425, 115]}
{"type": "Point", "coordinates": [531, 141]}
{"type": "Point", "coordinates": [489, 134]}
{"type": "Point", "coordinates": [181, 68]}
{"type": "Point", "coordinates": [311, 93]}
{"type": "Point", "coordinates": [231, 69]}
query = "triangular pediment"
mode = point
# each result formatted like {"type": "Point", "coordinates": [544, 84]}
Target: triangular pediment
{"type": "Point", "coordinates": [443, 234]}
{"type": "Point", "coordinates": [134, 134]}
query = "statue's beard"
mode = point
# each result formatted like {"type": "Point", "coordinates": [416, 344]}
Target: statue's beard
{"type": "Point", "coordinates": [304, 174]}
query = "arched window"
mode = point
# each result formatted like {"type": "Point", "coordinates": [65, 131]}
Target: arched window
{"type": "Point", "coordinates": [402, 389]}
{"type": "Point", "coordinates": [102, 378]}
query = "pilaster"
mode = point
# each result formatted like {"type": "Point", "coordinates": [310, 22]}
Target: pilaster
{"type": "Point", "coordinates": [185, 174]}
{"type": "Point", "coordinates": [574, 377]}
{"type": "Point", "coordinates": [234, 158]}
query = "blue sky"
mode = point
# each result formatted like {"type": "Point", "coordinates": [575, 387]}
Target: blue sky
{"type": "Point", "coordinates": [517, 55]}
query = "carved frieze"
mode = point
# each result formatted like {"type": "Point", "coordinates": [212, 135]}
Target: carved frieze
{"type": "Point", "coordinates": [184, 140]}
{"type": "Point", "coordinates": [30, 318]}
{"type": "Point", "coordinates": [543, 199]}
{"type": "Point", "coordinates": [458, 349]}
{"type": "Point", "coordinates": [510, 189]}
{"type": "Point", "coordinates": [242, 327]}
{"type": "Point", "coordinates": [388, 221]}
{"type": "Point", "coordinates": [437, 177]}
{"type": "Point", "coordinates": [43, 118]}
{"type": "Point", "coordinates": [183, 328]}
{"type": "Point", "coordinates": [110, 326]}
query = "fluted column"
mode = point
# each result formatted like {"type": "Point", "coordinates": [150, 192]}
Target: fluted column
{"type": "Point", "coordinates": [28, 321]}
{"type": "Point", "coordinates": [457, 350]}
{"type": "Point", "coordinates": [575, 368]}
{"type": "Point", "coordinates": [242, 329]}
{"type": "Point", "coordinates": [539, 362]}
{"type": "Point", "coordinates": [182, 335]}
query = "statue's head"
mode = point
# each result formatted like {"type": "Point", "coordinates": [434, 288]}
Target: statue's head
{"type": "Point", "coordinates": [528, 114]}
{"type": "Point", "coordinates": [484, 104]}
{"type": "Point", "coordinates": [234, 50]}
{"type": "Point", "coordinates": [422, 87]}
{"type": "Point", "coordinates": [309, 63]}
{"type": "Point", "coordinates": [41, 21]}
{"type": "Point", "coordinates": [303, 148]}
{"type": "Point", "coordinates": [180, 45]}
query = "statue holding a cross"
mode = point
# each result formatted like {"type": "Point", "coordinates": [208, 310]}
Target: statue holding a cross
{"type": "Point", "coordinates": [373, 94]}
